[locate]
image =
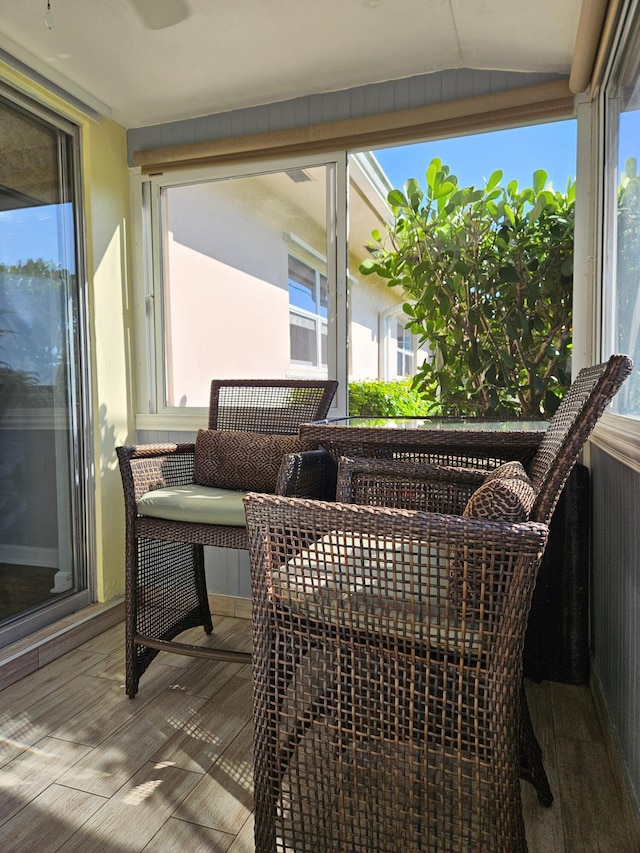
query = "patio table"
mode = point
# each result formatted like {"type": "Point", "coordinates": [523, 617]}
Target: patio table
{"type": "Point", "coordinates": [474, 442]}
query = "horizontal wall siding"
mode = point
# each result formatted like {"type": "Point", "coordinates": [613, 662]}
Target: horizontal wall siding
{"type": "Point", "coordinates": [615, 633]}
{"type": "Point", "coordinates": [362, 101]}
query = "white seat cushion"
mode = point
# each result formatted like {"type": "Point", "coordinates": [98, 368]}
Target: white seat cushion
{"type": "Point", "coordinates": [195, 504]}
{"type": "Point", "coordinates": [379, 586]}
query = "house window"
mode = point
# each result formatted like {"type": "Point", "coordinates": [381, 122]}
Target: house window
{"type": "Point", "coordinates": [405, 355]}
{"type": "Point", "coordinates": [399, 350]}
{"type": "Point", "coordinates": [308, 312]}
{"type": "Point", "coordinates": [621, 329]}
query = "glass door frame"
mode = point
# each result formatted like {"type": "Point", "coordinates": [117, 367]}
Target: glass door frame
{"type": "Point", "coordinates": [81, 463]}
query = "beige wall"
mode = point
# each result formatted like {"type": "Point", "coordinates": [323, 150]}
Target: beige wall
{"type": "Point", "coordinates": [106, 188]}
{"type": "Point", "coordinates": [106, 213]}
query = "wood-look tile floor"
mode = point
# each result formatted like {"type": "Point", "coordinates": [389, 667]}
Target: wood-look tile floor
{"type": "Point", "coordinates": [84, 768]}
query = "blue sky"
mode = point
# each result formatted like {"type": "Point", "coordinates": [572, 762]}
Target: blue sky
{"type": "Point", "coordinates": [628, 138]}
{"type": "Point", "coordinates": [518, 152]}
{"type": "Point", "coordinates": [44, 231]}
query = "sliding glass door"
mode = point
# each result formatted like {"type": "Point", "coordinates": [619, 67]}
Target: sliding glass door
{"type": "Point", "coordinates": [43, 530]}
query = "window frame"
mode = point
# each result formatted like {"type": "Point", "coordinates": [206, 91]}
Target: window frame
{"type": "Point", "coordinates": [617, 433]}
{"type": "Point", "coordinates": [320, 322]}
{"type": "Point", "coordinates": [149, 309]}
{"type": "Point", "coordinates": [403, 351]}
{"type": "Point", "coordinates": [609, 105]}
{"type": "Point", "coordinates": [389, 320]}
{"type": "Point", "coordinates": [151, 414]}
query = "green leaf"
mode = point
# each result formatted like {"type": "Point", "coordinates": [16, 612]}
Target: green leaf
{"type": "Point", "coordinates": [432, 171]}
{"type": "Point", "coordinates": [368, 266]}
{"type": "Point", "coordinates": [539, 180]}
{"type": "Point", "coordinates": [537, 209]}
{"type": "Point", "coordinates": [508, 274]}
{"type": "Point", "coordinates": [510, 329]}
{"type": "Point", "coordinates": [508, 359]}
{"type": "Point", "coordinates": [494, 180]}
{"type": "Point", "coordinates": [510, 214]}
{"type": "Point", "coordinates": [474, 316]}
{"type": "Point", "coordinates": [397, 199]}
{"type": "Point", "coordinates": [566, 268]}
{"type": "Point", "coordinates": [474, 361]}
{"type": "Point", "coordinates": [444, 189]}
{"type": "Point", "coordinates": [411, 186]}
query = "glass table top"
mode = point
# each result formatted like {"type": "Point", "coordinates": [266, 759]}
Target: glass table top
{"type": "Point", "coordinates": [458, 424]}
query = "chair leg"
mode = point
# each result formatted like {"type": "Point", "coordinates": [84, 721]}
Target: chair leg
{"type": "Point", "coordinates": [531, 766]}
{"type": "Point", "coordinates": [200, 582]}
{"type": "Point", "coordinates": [132, 676]}
{"type": "Point", "coordinates": [151, 568]}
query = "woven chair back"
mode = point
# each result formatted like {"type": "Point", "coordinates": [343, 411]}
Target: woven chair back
{"type": "Point", "coordinates": [574, 421]}
{"type": "Point", "coordinates": [269, 406]}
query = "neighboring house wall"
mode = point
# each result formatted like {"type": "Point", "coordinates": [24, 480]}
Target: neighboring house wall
{"type": "Point", "coordinates": [366, 304]}
{"type": "Point", "coordinates": [232, 281]}
{"type": "Point", "coordinates": [227, 264]}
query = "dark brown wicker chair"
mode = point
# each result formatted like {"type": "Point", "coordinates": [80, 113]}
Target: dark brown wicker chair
{"type": "Point", "coordinates": [385, 695]}
{"type": "Point", "coordinates": [165, 581]}
{"type": "Point", "coordinates": [446, 489]}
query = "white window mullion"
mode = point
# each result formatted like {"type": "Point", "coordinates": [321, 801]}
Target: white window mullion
{"type": "Point", "coordinates": [339, 337]}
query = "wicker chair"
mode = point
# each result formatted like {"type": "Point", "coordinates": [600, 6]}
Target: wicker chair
{"type": "Point", "coordinates": [165, 581]}
{"type": "Point", "coordinates": [385, 694]}
{"type": "Point", "coordinates": [445, 489]}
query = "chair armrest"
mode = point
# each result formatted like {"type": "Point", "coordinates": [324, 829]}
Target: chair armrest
{"type": "Point", "coordinates": [144, 467]}
{"type": "Point", "coordinates": [406, 485]}
{"type": "Point", "coordinates": [309, 474]}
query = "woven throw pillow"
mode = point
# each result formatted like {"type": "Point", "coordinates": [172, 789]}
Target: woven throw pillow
{"type": "Point", "coordinates": [502, 498]}
{"type": "Point", "coordinates": [508, 471]}
{"type": "Point", "coordinates": [242, 461]}
{"type": "Point", "coordinates": [507, 494]}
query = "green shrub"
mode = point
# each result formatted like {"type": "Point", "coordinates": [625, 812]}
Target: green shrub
{"type": "Point", "coordinates": [488, 278]}
{"type": "Point", "coordinates": [376, 398]}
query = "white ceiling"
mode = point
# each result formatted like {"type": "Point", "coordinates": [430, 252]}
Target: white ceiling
{"type": "Point", "coordinates": [142, 69]}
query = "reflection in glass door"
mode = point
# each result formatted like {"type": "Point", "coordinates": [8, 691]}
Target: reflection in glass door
{"type": "Point", "coordinates": [42, 563]}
